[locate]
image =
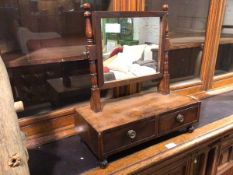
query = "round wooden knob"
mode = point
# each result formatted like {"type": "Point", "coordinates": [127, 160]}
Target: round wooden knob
{"type": "Point", "coordinates": [180, 118]}
{"type": "Point", "coordinates": [132, 134]}
{"type": "Point", "coordinates": [86, 6]}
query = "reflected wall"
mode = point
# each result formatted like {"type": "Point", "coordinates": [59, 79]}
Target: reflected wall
{"type": "Point", "coordinates": [187, 21]}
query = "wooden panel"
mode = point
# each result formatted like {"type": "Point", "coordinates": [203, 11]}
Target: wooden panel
{"type": "Point", "coordinates": [228, 172]}
{"type": "Point", "coordinates": [225, 161]}
{"type": "Point", "coordinates": [48, 127]}
{"type": "Point", "coordinates": [192, 89]}
{"type": "Point", "coordinates": [189, 63]}
{"type": "Point", "coordinates": [44, 127]}
{"type": "Point", "coordinates": [174, 120]}
{"type": "Point", "coordinates": [199, 162]}
{"type": "Point", "coordinates": [178, 167]}
{"type": "Point", "coordinates": [141, 129]}
{"type": "Point", "coordinates": [117, 111]}
{"type": "Point", "coordinates": [129, 5]}
{"type": "Point", "coordinates": [224, 81]}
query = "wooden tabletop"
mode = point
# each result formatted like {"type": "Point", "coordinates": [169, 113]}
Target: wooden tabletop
{"type": "Point", "coordinates": [74, 53]}
{"type": "Point", "coordinates": [49, 55]}
{"type": "Point", "coordinates": [128, 109]}
{"type": "Point", "coordinates": [194, 41]}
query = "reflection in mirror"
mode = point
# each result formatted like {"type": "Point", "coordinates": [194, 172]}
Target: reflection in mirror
{"type": "Point", "coordinates": [224, 64]}
{"type": "Point", "coordinates": [42, 44]}
{"type": "Point", "coordinates": [187, 21]}
{"type": "Point", "coordinates": [130, 47]}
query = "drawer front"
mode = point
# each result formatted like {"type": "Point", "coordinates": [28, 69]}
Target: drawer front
{"type": "Point", "coordinates": [128, 135]}
{"type": "Point", "coordinates": [174, 120]}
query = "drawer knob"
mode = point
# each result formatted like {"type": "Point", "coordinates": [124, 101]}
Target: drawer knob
{"type": "Point", "coordinates": [132, 134]}
{"type": "Point", "coordinates": [180, 118]}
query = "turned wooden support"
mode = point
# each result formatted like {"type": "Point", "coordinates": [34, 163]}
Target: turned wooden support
{"type": "Point", "coordinates": [164, 86]}
{"type": "Point", "coordinates": [13, 153]}
{"type": "Point", "coordinates": [90, 50]}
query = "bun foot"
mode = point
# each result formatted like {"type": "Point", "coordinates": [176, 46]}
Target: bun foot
{"type": "Point", "coordinates": [191, 129]}
{"type": "Point", "coordinates": [103, 164]}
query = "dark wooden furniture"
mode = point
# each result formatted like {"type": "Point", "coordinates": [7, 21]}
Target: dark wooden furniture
{"type": "Point", "coordinates": [31, 74]}
{"type": "Point", "coordinates": [49, 56]}
{"type": "Point", "coordinates": [128, 122]}
{"type": "Point", "coordinates": [116, 125]}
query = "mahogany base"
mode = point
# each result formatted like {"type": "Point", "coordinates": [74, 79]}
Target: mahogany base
{"type": "Point", "coordinates": [134, 120]}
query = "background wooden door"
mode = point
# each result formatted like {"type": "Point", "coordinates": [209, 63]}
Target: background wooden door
{"type": "Point", "coordinates": [128, 5]}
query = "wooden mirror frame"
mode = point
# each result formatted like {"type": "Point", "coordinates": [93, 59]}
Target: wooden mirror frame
{"type": "Point", "coordinates": [94, 53]}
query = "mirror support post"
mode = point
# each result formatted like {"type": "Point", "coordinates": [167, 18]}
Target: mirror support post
{"type": "Point", "coordinates": [164, 86]}
{"type": "Point", "coordinates": [95, 102]}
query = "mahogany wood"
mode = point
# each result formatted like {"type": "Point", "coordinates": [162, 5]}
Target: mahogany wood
{"type": "Point", "coordinates": [107, 132]}
{"type": "Point", "coordinates": [129, 122]}
{"type": "Point", "coordinates": [49, 56]}
{"type": "Point", "coordinates": [41, 129]}
{"type": "Point", "coordinates": [95, 91]}
{"type": "Point", "coordinates": [164, 83]}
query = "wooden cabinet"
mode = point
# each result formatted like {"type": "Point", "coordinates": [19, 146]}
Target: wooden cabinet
{"type": "Point", "coordinates": [225, 160]}
{"type": "Point", "coordinates": [175, 167]}
{"type": "Point", "coordinates": [213, 159]}
{"type": "Point", "coordinates": [194, 163]}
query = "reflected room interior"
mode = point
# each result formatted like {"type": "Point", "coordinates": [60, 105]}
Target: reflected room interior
{"type": "Point", "coordinates": [187, 22]}
{"type": "Point", "coordinates": [130, 47]}
{"type": "Point", "coordinates": [42, 45]}
{"type": "Point", "coordinates": [224, 63]}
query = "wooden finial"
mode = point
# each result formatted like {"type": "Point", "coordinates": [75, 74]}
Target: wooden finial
{"type": "Point", "coordinates": [86, 6]}
{"type": "Point", "coordinates": [165, 7]}
{"type": "Point", "coordinates": [87, 14]}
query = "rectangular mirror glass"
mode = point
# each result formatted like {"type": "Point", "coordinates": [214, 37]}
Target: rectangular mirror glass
{"type": "Point", "coordinates": [130, 47]}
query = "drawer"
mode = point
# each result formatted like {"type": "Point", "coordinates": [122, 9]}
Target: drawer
{"type": "Point", "coordinates": [176, 119]}
{"type": "Point", "coordinates": [128, 135]}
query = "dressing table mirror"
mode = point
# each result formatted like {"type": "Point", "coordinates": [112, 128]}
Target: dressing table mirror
{"type": "Point", "coordinates": [125, 48]}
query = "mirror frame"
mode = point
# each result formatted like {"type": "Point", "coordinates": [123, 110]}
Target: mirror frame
{"type": "Point", "coordinates": [96, 23]}
{"type": "Point", "coordinates": [94, 53]}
